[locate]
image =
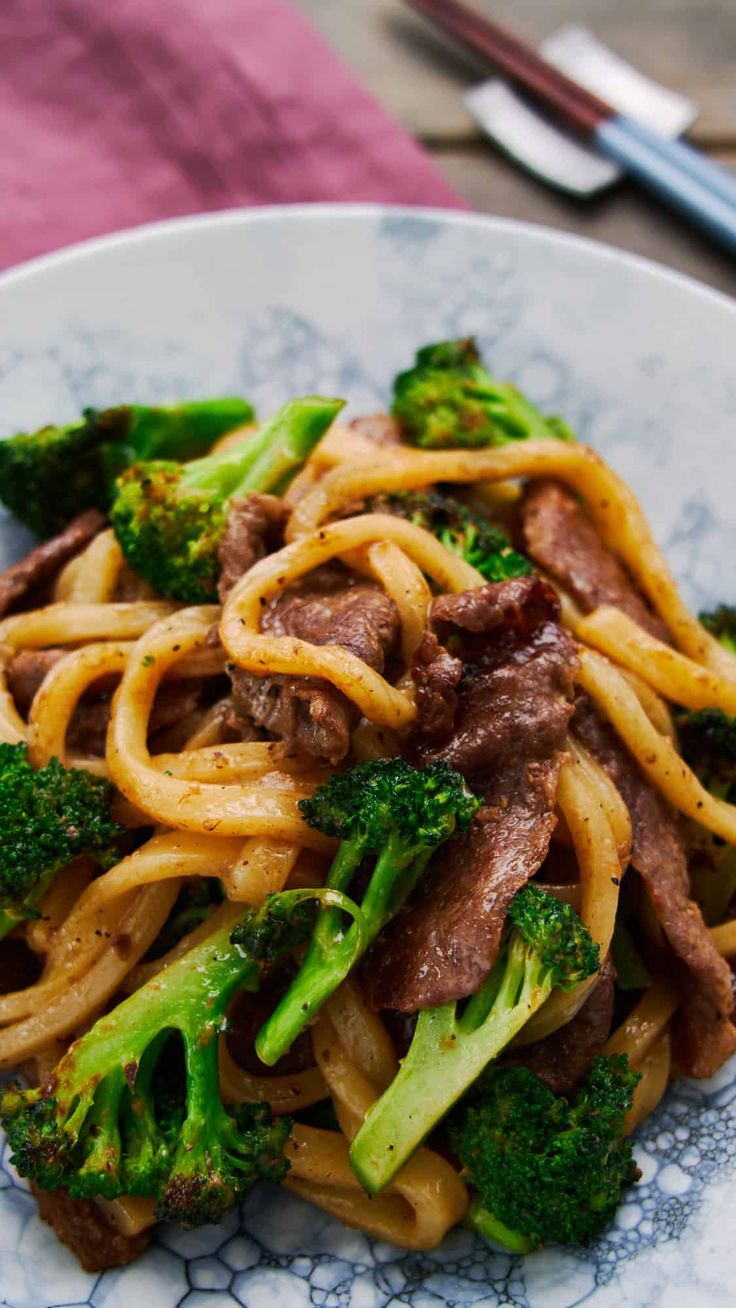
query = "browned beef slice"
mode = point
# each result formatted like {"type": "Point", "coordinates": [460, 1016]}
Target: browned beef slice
{"type": "Point", "coordinates": [246, 1018]}
{"type": "Point", "coordinates": [329, 608]}
{"type": "Point", "coordinates": [561, 537]}
{"type": "Point", "coordinates": [19, 967]}
{"type": "Point", "coordinates": [562, 1058]}
{"type": "Point", "coordinates": [39, 567]}
{"type": "Point", "coordinates": [380, 428]}
{"type": "Point", "coordinates": [253, 529]}
{"type": "Point", "coordinates": [509, 715]}
{"type": "Point", "coordinates": [306, 713]}
{"type": "Point", "coordinates": [88, 1231]}
{"type": "Point", "coordinates": [702, 1038]}
{"type": "Point", "coordinates": [88, 727]}
{"type": "Point", "coordinates": [25, 672]}
{"type": "Point", "coordinates": [513, 668]}
{"type": "Point", "coordinates": [658, 854]}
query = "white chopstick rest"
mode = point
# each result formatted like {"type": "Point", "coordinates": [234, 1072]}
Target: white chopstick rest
{"type": "Point", "coordinates": [555, 155]}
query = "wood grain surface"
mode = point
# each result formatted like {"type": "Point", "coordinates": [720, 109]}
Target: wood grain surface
{"type": "Point", "coordinates": [419, 76]}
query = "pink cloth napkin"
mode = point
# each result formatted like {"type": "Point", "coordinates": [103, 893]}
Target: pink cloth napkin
{"type": "Point", "coordinates": [117, 112]}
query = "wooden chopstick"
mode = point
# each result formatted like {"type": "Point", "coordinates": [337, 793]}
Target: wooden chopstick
{"type": "Point", "coordinates": [579, 108]}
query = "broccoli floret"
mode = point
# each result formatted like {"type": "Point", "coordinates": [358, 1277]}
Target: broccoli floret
{"type": "Point", "coordinates": [708, 736]}
{"type": "Point", "coordinates": [449, 399]}
{"type": "Point", "coordinates": [169, 518]}
{"type": "Point", "coordinates": [387, 809]}
{"type": "Point", "coordinates": [49, 476]}
{"type": "Point", "coordinates": [722, 623]}
{"type": "Point", "coordinates": [708, 745]}
{"type": "Point", "coordinates": [47, 818]}
{"type": "Point", "coordinates": [465, 533]}
{"type": "Point", "coordinates": [544, 945]}
{"type": "Point", "coordinates": [545, 1168]}
{"type": "Point", "coordinates": [104, 1126]}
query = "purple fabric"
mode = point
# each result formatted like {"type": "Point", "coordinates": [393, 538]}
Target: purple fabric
{"type": "Point", "coordinates": [117, 112]}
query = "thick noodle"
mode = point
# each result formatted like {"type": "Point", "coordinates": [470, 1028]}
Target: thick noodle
{"type": "Point", "coordinates": [600, 833]}
{"type": "Point", "coordinates": [91, 577]}
{"type": "Point", "coordinates": [612, 505]}
{"type": "Point", "coordinates": [427, 1197]}
{"type": "Point", "coordinates": [268, 806]}
{"type": "Point", "coordinates": [672, 674]}
{"type": "Point", "coordinates": [655, 754]}
{"type": "Point", "coordinates": [261, 653]}
{"type": "Point", "coordinates": [76, 1003]}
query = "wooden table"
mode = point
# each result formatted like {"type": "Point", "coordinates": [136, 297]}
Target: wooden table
{"type": "Point", "coordinates": [419, 76]}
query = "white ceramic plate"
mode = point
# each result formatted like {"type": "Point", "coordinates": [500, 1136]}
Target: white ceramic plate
{"type": "Point", "coordinates": [287, 301]}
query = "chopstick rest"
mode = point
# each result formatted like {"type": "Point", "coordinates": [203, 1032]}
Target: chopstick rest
{"type": "Point", "coordinates": [555, 155]}
{"type": "Point", "coordinates": [688, 181]}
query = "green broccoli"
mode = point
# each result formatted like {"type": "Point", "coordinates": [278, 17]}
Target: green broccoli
{"type": "Point", "coordinates": [387, 809]}
{"type": "Point", "coordinates": [197, 899]}
{"type": "Point", "coordinates": [545, 1168]}
{"type": "Point", "coordinates": [109, 1122]}
{"type": "Point", "coordinates": [461, 531]}
{"type": "Point", "coordinates": [722, 624]}
{"type": "Point", "coordinates": [169, 518]}
{"type": "Point", "coordinates": [545, 945]}
{"type": "Point", "coordinates": [49, 476]}
{"type": "Point", "coordinates": [449, 399]}
{"type": "Point", "coordinates": [47, 818]}
{"type": "Point", "coordinates": [708, 745]}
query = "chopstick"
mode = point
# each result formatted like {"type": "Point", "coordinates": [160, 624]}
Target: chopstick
{"type": "Point", "coordinates": [679, 174]}
{"type": "Point", "coordinates": [577, 107]}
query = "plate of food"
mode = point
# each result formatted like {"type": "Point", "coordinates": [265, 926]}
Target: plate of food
{"type": "Point", "coordinates": [367, 739]}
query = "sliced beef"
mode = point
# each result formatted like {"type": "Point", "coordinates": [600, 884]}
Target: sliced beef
{"type": "Point", "coordinates": [25, 672]}
{"type": "Point", "coordinates": [702, 1038]}
{"type": "Point", "coordinates": [334, 608]}
{"type": "Point", "coordinates": [561, 536]}
{"type": "Point", "coordinates": [658, 854]}
{"type": "Point", "coordinates": [88, 1231]}
{"type": "Point", "coordinates": [562, 1058]}
{"type": "Point", "coordinates": [380, 428]}
{"type": "Point", "coordinates": [88, 727]}
{"type": "Point", "coordinates": [330, 608]}
{"type": "Point", "coordinates": [503, 722]}
{"type": "Point", "coordinates": [306, 713]}
{"type": "Point", "coordinates": [19, 966]}
{"type": "Point", "coordinates": [254, 528]}
{"type": "Point", "coordinates": [513, 669]}
{"type": "Point", "coordinates": [246, 1018]}
{"type": "Point", "coordinates": [39, 568]}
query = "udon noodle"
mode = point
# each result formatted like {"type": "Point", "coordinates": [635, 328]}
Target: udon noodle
{"type": "Point", "coordinates": [218, 808]}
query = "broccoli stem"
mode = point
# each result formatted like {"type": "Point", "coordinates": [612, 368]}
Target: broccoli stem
{"type": "Point", "coordinates": [184, 431]}
{"type": "Point", "coordinates": [496, 1232]}
{"type": "Point", "coordinates": [206, 1129]}
{"type": "Point", "coordinates": [448, 1052]}
{"type": "Point", "coordinates": [265, 460]}
{"type": "Point", "coordinates": [7, 923]}
{"type": "Point", "coordinates": [147, 1155]}
{"type": "Point", "coordinates": [121, 1037]}
{"type": "Point", "coordinates": [332, 952]}
{"type": "Point", "coordinates": [101, 1167]}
